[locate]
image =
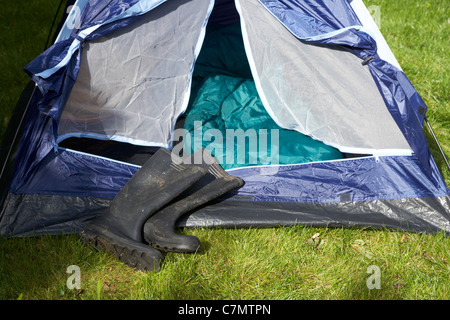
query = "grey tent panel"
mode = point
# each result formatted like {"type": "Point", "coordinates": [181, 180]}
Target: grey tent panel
{"type": "Point", "coordinates": [319, 91]}
{"type": "Point", "coordinates": [134, 83]}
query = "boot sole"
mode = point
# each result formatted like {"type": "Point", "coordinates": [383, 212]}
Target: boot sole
{"type": "Point", "coordinates": [133, 254]}
{"type": "Point", "coordinates": [177, 248]}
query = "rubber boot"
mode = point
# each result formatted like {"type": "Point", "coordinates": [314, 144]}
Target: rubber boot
{"type": "Point", "coordinates": [119, 229]}
{"type": "Point", "coordinates": [159, 230]}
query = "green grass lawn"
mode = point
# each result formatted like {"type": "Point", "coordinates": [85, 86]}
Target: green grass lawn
{"type": "Point", "coordinates": [273, 263]}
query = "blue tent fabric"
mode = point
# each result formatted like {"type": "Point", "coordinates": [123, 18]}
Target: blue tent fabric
{"type": "Point", "coordinates": [404, 104]}
{"type": "Point", "coordinates": [42, 169]}
{"type": "Point", "coordinates": [324, 22]}
{"type": "Point", "coordinates": [363, 179]}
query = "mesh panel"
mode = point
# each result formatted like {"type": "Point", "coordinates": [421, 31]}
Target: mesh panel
{"type": "Point", "coordinates": [134, 83]}
{"type": "Point", "coordinates": [322, 92]}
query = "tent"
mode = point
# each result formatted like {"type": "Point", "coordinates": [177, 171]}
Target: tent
{"type": "Point", "coordinates": [325, 127]}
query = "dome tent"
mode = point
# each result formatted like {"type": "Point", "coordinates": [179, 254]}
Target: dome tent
{"type": "Point", "coordinates": [115, 86]}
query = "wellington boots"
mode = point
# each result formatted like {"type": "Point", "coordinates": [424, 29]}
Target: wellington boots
{"type": "Point", "coordinates": [159, 230]}
{"type": "Point", "coordinates": [119, 229]}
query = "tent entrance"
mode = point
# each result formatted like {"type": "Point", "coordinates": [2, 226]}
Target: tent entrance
{"type": "Point", "coordinates": [224, 115]}
{"type": "Point", "coordinates": [217, 104]}
{"type": "Point", "coordinates": [227, 117]}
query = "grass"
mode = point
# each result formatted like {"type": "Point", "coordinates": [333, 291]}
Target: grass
{"type": "Point", "coordinates": [25, 26]}
{"type": "Point", "coordinates": [418, 33]}
{"type": "Point", "coordinates": [294, 263]}
{"type": "Point", "coordinates": [274, 263]}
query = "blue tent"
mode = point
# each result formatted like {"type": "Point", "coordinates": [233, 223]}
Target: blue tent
{"type": "Point", "coordinates": [123, 75]}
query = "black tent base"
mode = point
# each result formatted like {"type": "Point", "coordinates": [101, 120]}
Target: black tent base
{"type": "Point", "coordinates": [428, 215]}
{"type": "Point", "coordinates": [53, 214]}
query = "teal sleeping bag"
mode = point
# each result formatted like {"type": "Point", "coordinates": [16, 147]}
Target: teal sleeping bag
{"type": "Point", "coordinates": [226, 116]}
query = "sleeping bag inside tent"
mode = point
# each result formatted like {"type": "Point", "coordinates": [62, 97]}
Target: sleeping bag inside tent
{"type": "Point", "coordinates": [303, 101]}
{"type": "Point", "coordinates": [224, 98]}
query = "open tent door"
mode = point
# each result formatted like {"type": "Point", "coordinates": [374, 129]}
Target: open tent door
{"type": "Point", "coordinates": [118, 84]}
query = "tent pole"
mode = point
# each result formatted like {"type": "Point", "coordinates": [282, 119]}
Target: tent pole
{"type": "Point", "coordinates": [437, 142]}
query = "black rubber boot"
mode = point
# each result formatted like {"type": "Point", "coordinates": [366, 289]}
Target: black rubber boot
{"type": "Point", "coordinates": [159, 230]}
{"type": "Point", "coordinates": [119, 229]}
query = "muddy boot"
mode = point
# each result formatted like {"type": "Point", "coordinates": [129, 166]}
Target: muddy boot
{"type": "Point", "coordinates": [159, 230]}
{"type": "Point", "coordinates": [119, 229]}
